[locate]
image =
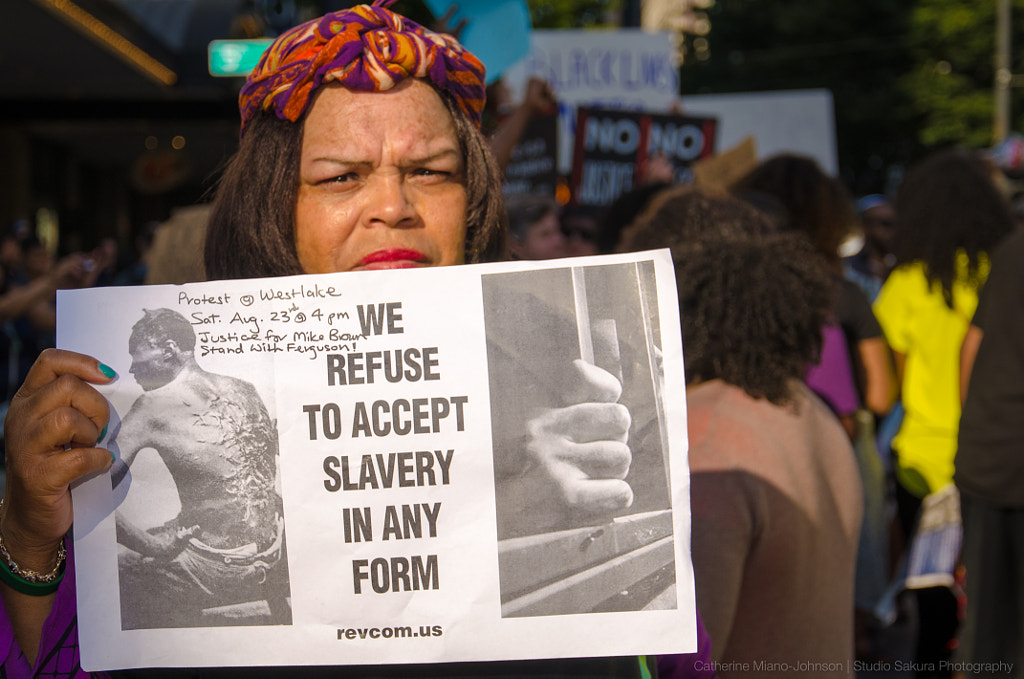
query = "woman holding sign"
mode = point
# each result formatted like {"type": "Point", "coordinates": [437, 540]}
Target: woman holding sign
{"type": "Point", "coordinates": [360, 150]}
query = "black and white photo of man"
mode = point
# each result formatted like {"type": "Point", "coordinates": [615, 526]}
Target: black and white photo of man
{"type": "Point", "coordinates": [220, 561]}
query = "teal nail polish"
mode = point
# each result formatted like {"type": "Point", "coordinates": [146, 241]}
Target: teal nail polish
{"type": "Point", "coordinates": [107, 371]}
{"type": "Point", "coordinates": [112, 460]}
{"type": "Point", "coordinates": [104, 432]}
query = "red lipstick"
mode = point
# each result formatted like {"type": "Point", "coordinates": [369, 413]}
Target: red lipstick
{"type": "Point", "coordinates": [393, 258]}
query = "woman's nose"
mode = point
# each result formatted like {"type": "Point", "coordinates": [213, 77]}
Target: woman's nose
{"type": "Point", "coordinates": [389, 202]}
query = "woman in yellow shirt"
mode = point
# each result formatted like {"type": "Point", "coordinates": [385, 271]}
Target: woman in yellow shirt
{"type": "Point", "coordinates": [950, 215]}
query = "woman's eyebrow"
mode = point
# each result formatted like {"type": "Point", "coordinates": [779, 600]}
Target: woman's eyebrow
{"type": "Point", "coordinates": [437, 155]}
{"type": "Point", "coordinates": [339, 161]}
{"type": "Point", "coordinates": [418, 160]}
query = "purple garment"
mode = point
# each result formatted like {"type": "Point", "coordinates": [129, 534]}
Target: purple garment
{"type": "Point", "coordinates": [58, 649]}
{"type": "Point", "coordinates": [690, 665]}
{"type": "Point", "coordinates": [832, 377]}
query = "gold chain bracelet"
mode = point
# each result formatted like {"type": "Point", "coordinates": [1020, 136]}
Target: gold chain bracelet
{"type": "Point", "coordinates": [26, 574]}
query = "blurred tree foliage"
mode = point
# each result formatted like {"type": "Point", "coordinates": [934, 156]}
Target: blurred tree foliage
{"type": "Point", "coordinates": [952, 78]}
{"type": "Point", "coordinates": [574, 13]}
{"type": "Point", "coordinates": [858, 50]}
{"type": "Point", "coordinates": [416, 10]}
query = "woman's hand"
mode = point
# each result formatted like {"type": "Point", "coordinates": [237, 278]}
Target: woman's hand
{"type": "Point", "coordinates": [52, 426]}
{"type": "Point", "coordinates": [576, 459]}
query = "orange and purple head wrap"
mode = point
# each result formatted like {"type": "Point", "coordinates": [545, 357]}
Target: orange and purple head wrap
{"type": "Point", "coordinates": [367, 48]}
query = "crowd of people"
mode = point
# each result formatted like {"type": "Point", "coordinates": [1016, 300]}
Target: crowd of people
{"type": "Point", "coordinates": [894, 344]}
{"type": "Point", "coordinates": [889, 367]}
{"type": "Point", "coordinates": [836, 405]}
{"type": "Point", "coordinates": [30, 276]}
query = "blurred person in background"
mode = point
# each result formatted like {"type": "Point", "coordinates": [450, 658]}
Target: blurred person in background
{"type": "Point", "coordinates": [505, 123]}
{"type": "Point", "coordinates": [679, 216]}
{"type": "Point", "coordinates": [951, 216]}
{"type": "Point", "coordinates": [28, 311]}
{"type": "Point", "coordinates": [870, 266]}
{"type": "Point", "coordinates": [774, 489]}
{"type": "Point", "coordinates": [658, 175]}
{"type": "Point", "coordinates": [35, 326]}
{"type": "Point", "coordinates": [534, 231]}
{"type": "Point", "coordinates": [135, 271]}
{"type": "Point", "coordinates": [106, 262]}
{"type": "Point", "coordinates": [855, 373]}
{"type": "Point", "coordinates": [36, 260]}
{"type": "Point", "coordinates": [622, 211]}
{"type": "Point", "coordinates": [581, 225]}
{"type": "Point", "coordinates": [818, 206]}
{"type": "Point", "coordinates": [10, 255]}
{"type": "Point", "coordinates": [989, 471]}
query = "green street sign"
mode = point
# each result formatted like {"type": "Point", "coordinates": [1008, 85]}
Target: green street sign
{"type": "Point", "coordinates": [235, 58]}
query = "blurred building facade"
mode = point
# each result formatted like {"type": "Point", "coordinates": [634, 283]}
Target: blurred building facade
{"type": "Point", "coordinates": [111, 118]}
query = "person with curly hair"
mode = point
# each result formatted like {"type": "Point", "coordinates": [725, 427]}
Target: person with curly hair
{"type": "Point", "coordinates": [855, 375]}
{"type": "Point", "coordinates": [819, 206]}
{"type": "Point", "coordinates": [679, 215]}
{"type": "Point", "coordinates": [951, 216]}
{"type": "Point", "coordinates": [774, 488]}
{"type": "Point", "coordinates": [775, 491]}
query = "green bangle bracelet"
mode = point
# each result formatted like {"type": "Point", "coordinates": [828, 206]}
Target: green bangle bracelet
{"type": "Point", "coordinates": [26, 587]}
{"type": "Point", "coordinates": [25, 580]}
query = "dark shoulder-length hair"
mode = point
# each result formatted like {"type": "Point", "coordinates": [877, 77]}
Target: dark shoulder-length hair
{"type": "Point", "coordinates": [816, 204]}
{"type": "Point", "coordinates": [949, 203]}
{"type": "Point", "coordinates": [251, 232]}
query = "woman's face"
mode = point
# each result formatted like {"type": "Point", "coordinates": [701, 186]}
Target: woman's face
{"type": "Point", "coordinates": [381, 182]}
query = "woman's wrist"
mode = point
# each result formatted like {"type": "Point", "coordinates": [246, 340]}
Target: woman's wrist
{"type": "Point", "coordinates": [33, 554]}
{"type": "Point", "coordinates": [31, 582]}
{"type": "Point", "coordinates": [23, 577]}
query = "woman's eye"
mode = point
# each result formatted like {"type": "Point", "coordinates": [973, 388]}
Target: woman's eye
{"type": "Point", "coordinates": [430, 172]}
{"type": "Point", "coordinates": [340, 179]}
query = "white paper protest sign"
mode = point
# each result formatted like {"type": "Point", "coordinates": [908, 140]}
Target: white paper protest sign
{"type": "Point", "coordinates": [402, 466]}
